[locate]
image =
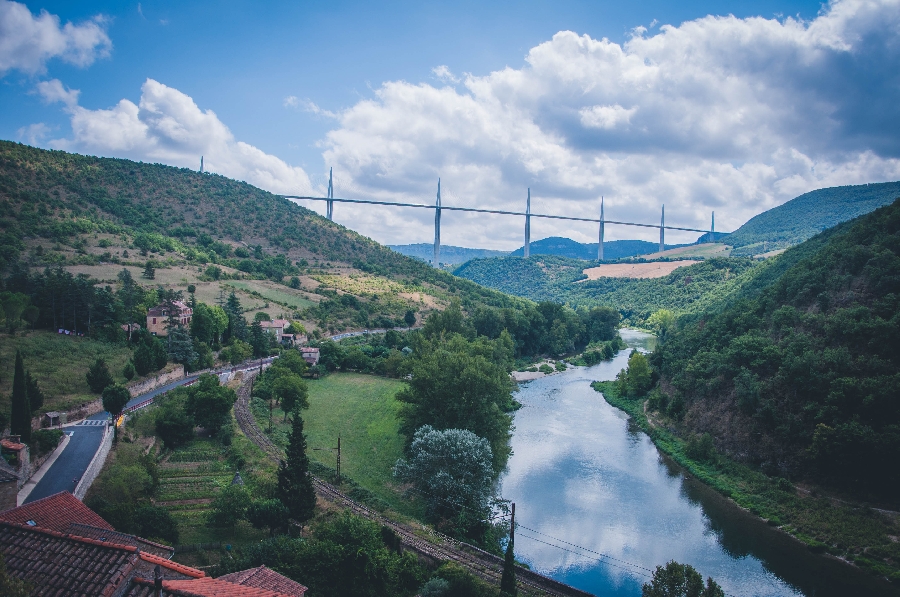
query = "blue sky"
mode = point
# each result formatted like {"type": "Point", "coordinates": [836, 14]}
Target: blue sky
{"type": "Point", "coordinates": [736, 115]}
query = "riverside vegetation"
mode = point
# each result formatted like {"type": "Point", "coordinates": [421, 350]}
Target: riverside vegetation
{"type": "Point", "coordinates": [786, 402]}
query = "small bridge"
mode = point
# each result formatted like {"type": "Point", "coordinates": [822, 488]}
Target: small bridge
{"type": "Point", "coordinates": [438, 208]}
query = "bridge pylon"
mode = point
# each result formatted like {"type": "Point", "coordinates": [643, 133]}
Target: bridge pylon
{"type": "Point", "coordinates": [662, 230]}
{"type": "Point", "coordinates": [600, 243]}
{"type": "Point", "coordinates": [527, 249]}
{"type": "Point", "coordinates": [437, 228]}
{"type": "Point", "coordinates": [329, 205]}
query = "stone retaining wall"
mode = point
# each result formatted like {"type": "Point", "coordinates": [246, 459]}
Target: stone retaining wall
{"type": "Point", "coordinates": [96, 464]}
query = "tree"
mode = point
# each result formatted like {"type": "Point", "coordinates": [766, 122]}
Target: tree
{"type": "Point", "coordinates": [508, 578]}
{"type": "Point", "coordinates": [35, 395]}
{"type": "Point", "coordinates": [452, 469]}
{"type": "Point", "coordinates": [661, 322]}
{"type": "Point", "coordinates": [270, 514]}
{"type": "Point", "coordinates": [143, 359]}
{"type": "Point", "coordinates": [410, 318]}
{"type": "Point", "coordinates": [209, 402]}
{"type": "Point", "coordinates": [295, 488]}
{"type": "Point", "coordinates": [229, 506]}
{"type": "Point", "coordinates": [98, 376]}
{"type": "Point", "coordinates": [291, 391]}
{"type": "Point", "coordinates": [115, 397]}
{"type": "Point", "coordinates": [259, 340]}
{"type": "Point", "coordinates": [129, 371]}
{"type": "Point", "coordinates": [20, 421]}
{"type": "Point", "coordinates": [237, 353]}
{"type": "Point", "coordinates": [637, 378]}
{"type": "Point", "coordinates": [158, 354]}
{"type": "Point", "coordinates": [680, 580]}
{"type": "Point", "coordinates": [173, 425]}
{"type": "Point", "coordinates": [156, 522]}
{"type": "Point", "coordinates": [149, 270]}
{"type": "Point", "coordinates": [181, 346]}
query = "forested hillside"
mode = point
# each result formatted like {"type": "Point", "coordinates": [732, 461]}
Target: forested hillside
{"type": "Point", "coordinates": [613, 249]}
{"type": "Point", "coordinates": [449, 253]}
{"type": "Point", "coordinates": [805, 216]}
{"type": "Point", "coordinates": [551, 278]}
{"type": "Point", "coordinates": [802, 378]}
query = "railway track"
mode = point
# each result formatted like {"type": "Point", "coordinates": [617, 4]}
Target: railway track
{"type": "Point", "coordinates": [436, 546]}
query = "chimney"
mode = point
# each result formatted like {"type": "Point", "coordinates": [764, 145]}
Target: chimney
{"type": "Point", "coordinates": [157, 581]}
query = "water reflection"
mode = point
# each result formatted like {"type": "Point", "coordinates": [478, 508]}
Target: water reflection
{"type": "Point", "coordinates": [600, 507]}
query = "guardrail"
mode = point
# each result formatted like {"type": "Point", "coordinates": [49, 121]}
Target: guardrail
{"type": "Point", "coordinates": [139, 405]}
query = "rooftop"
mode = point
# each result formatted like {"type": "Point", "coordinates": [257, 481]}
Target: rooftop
{"type": "Point", "coordinates": [201, 587]}
{"type": "Point", "coordinates": [263, 577]}
{"type": "Point", "coordinates": [56, 512]}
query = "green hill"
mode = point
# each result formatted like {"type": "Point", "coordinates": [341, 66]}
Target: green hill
{"type": "Point", "coordinates": [449, 254]}
{"type": "Point", "coordinates": [801, 379]}
{"type": "Point", "coordinates": [805, 216]}
{"type": "Point", "coordinates": [613, 249]}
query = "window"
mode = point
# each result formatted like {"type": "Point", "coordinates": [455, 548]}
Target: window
{"type": "Point", "coordinates": [154, 321]}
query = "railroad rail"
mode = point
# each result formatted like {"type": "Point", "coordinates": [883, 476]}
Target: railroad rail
{"type": "Point", "coordinates": [440, 547]}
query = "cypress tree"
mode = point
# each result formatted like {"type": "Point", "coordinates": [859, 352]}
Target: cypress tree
{"type": "Point", "coordinates": [508, 579]}
{"type": "Point", "coordinates": [295, 488]}
{"type": "Point", "coordinates": [21, 409]}
{"type": "Point", "coordinates": [35, 395]}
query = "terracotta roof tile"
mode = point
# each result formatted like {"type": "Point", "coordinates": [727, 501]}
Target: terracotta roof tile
{"type": "Point", "coordinates": [200, 587]}
{"type": "Point", "coordinates": [57, 564]}
{"type": "Point", "coordinates": [174, 566]}
{"type": "Point", "coordinates": [102, 534]}
{"type": "Point", "coordinates": [11, 445]}
{"type": "Point", "coordinates": [266, 578]}
{"type": "Point", "coordinates": [56, 512]}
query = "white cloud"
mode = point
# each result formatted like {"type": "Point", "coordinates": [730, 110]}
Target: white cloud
{"type": "Point", "coordinates": [53, 91]}
{"type": "Point", "coordinates": [720, 113]}
{"type": "Point", "coordinates": [443, 73]}
{"type": "Point", "coordinates": [34, 134]}
{"type": "Point", "coordinates": [291, 101]}
{"type": "Point", "coordinates": [27, 41]}
{"type": "Point", "coordinates": [166, 126]}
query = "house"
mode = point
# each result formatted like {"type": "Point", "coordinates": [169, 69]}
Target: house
{"type": "Point", "coordinates": [310, 355]}
{"type": "Point", "coordinates": [276, 327]}
{"type": "Point", "coordinates": [158, 317]}
{"type": "Point", "coordinates": [61, 547]}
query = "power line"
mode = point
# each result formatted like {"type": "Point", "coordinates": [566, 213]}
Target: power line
{"type": "Point", "coordinates": [590, 557]}
{"type": "Point", "coordinates": [586, 549]}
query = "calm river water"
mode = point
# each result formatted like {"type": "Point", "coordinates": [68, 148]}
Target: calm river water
{"type": "Point", "coordinates": [586, 482]}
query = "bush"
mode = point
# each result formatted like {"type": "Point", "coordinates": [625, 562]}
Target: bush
{"type": "Point", "coordinates": [700, 448]}
{"type": "Point", "coordinates": [45, 440]}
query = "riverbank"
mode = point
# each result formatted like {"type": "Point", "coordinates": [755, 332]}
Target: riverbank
{"type": "Point", "coordinates": [858, 535]}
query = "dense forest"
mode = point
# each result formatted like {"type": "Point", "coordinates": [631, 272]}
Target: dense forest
{"type": "Point", "coordinates": [805, 216]}
{"type": "Point", "coordinates": [799, 373]}
{"type": "Point", "coordinates": [551, 278]}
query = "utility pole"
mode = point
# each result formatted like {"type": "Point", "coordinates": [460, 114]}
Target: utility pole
{"type": "Point", "coordinates": [437, 228]}
{"type": "Point", "coordinates": [329, 205]}
{"type": "Point", "coordinates": [512, 523]}
{"type": "Point", "coordinates": [600, 244]}
{"type": "Point", "coordinates": [662, 230]}
{"type": "Point", "coordinates": [527, 249]}
{"type": "Point", "coordinates": [339, 461]}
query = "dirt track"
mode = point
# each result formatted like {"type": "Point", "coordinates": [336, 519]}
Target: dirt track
{"type": "Point", "coordinates": [437, 547]}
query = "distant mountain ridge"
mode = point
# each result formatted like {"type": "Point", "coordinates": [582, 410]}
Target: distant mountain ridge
{"type": "Point", "coordinates": [449, 253]}
{"type": "Point", "coordinates": [613, 249]}
{"type": "Point", "coordinates": [805, 216]}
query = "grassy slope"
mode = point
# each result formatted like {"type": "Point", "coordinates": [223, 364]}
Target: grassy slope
{"type": "Point", "coordinates": [363, 411]}
{"type": "Point", "coordinates": [805, 216]}
{"type": "Point", "coordinates": [858, 534]}
{"type": "Point", "coordinates": [59, 363]}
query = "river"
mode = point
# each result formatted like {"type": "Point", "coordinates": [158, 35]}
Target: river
{"type": "Point", "coordinates": [599, 507]}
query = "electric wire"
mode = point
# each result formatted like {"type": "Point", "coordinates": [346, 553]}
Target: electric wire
{"type": "Point", "coordinates": [584, 548]}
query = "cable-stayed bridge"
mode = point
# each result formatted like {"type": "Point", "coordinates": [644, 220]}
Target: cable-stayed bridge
{"type": "Point", "coordinates": [527, 214]}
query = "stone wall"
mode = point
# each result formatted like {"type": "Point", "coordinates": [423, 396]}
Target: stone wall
{"type": "Point", "coordinates": [8, 493]}
{"type": "Point", "coordinates": [160, 380]}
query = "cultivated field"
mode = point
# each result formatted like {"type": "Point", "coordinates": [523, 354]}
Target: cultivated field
{"type": "Point", "coordinates": [657, 269]}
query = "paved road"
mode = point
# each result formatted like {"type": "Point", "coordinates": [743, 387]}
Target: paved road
{"type": "Point", "coordinates": [68, 469]}
{"type": "Point", "coordinates": [65, 473]}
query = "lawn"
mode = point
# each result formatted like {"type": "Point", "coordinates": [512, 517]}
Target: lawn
{"type": "Point", "coordinates": [363, 411]}
{"type": "Point", "coordinates": [273, 292]}
{"type": "Point", "coordinates": [59, 363]}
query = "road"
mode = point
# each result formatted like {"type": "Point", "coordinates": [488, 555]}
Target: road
{"type": "Point", "coordinates": [68, 469]}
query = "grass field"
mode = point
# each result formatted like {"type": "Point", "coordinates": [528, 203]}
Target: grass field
{"type": "Point", "coordinates": [363, 411]}
{"type": "Point", "coordinates": [273, 292]}
{"type": "Point", "coordinates": [44, 352]}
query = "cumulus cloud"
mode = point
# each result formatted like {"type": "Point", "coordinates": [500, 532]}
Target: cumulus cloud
{"type": "Point", "coordinates": [54, 91]}
{"type": "Point", "coordinates": [34, 134]}
{"type": "Point", "coordinates": [167, 126]}
{"type": "Point", "coordinates": [720, 113]}
{"type": "Point", "coordinates": [27, 41]}
{"type": "Point", "coordinates": [443, 73]}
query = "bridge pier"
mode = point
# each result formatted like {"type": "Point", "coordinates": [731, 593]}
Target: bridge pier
{"type": "Point", "coordinates": [437, 228]}
{"type": "Point", "coordinates": [600, 243]}
{"type": "Point", "coordinates": [712, 227]}
{"type": "Point", "coordinates": [329, 205]}
{"type": "Point", "coordinates": [662, 230]}
{"type": "Point", "coordinates": [527, 248]}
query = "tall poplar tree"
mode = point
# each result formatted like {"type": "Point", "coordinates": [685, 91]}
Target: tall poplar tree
{"type": "Point", "coordinates": [295, 488]}
{"type": "Point", "coordinates": [21, 409]}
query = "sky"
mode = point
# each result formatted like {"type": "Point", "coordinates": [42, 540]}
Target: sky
{"type": "Point", "coordinates": [732, 107]}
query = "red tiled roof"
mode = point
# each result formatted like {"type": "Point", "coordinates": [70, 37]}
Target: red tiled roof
{"type": "Point", "coordinates": [55, 512]}
{"type": "Point", "coordinates": [56, 564]}
{"type": "Point", "coordinates": [90, 532]}
{"type": "Point", "coordinates": [174, 566]}
{"type": "Point", "coordinates": [265, 578]}
{"type": "Point", "coordinates": [201, 587]}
